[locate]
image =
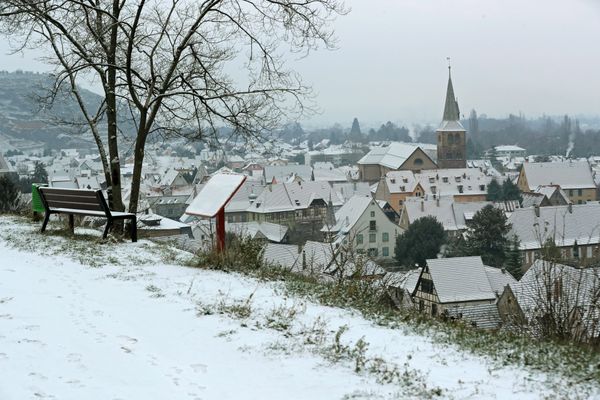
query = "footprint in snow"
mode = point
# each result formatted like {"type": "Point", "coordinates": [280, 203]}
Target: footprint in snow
{"type": "Point", "coordinates": [199, 368]}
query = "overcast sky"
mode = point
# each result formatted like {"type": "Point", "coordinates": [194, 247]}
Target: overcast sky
{"type": "Point", "coordinates": [507, 56]}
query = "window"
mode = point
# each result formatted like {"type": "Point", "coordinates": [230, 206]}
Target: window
{"type": "Point", "coordinates": [372, 237]}
{"type": "Point", "coordinates": [400, 203]}
{"type": "Point", "coordinates": [445, 179]}
{"type": "Point", "coordinates": [372, 252]}
{"type": "Point", "coordinates": [418, 161]}
{"type": "Point", "coordinates": [385, 237]}
{"type": "Point", "coordinates": [385, 251]}
{"type": "Point", "coordinates": [434, 310]}
{"type": "Point", "coordinates": [372, 214]}
{"type": "Point", "coordinates": [460, 189]}
{"type": "Point", "coordinates": [579, 202]}
{"type": "Point", "coordinates": [482, 188]}
{"type": "Point", "coordinates": [359, 238]}
{"type": "Point", "coordinates": [579, 192]}
{"type": "Point", "coordinates": [372, 225]}
{"type": "Point", "coordinates": [426, 286]}
{"type": "Point", "coordinates": [570, 192]}
{"type": "Point", "coordinates": [421, 305]}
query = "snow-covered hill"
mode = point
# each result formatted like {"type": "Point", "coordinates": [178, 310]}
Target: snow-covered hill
{"type": "Point", "coordinates": [85, 320]}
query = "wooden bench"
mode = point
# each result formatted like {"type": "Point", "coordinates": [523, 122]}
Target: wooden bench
{"type": "Point", "coordinates": [82, 202]}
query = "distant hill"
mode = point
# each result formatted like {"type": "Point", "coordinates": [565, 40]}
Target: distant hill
{"type": "Point", "coordinates": [26, 122]}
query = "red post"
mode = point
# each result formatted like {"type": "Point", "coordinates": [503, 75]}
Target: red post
{"type": "Point", "coordinates": [221, 230]}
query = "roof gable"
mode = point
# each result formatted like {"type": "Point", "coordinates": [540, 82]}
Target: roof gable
{"type": "Point", "coordinates": [460, 279]}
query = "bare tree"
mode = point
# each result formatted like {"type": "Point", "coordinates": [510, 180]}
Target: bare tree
{"type": "Point", "coordinates": [560, 301]}
{"type": "Point", "coordinates": [168, 62]}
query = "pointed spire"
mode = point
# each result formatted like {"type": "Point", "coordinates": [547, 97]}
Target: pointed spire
{"type": "Point", "coordinates": [451, 112]}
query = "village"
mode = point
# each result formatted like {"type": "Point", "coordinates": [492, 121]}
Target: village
{"type": "Point", "coordinates": [336, 211]}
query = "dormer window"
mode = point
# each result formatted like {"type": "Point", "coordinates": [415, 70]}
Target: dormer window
{"type": "Point", "coordinates": [445, 179]}
{"type": "Point", "coordinates": [457, 178]}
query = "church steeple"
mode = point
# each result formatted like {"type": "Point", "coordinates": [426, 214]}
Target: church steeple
{"type": "Point", "coordinates": [452, 139]}
{"type": "Point", "coordinates": [451, 112]}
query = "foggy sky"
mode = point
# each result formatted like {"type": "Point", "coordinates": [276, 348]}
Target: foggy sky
{"type": "Point", "coordinates": [508, 56]}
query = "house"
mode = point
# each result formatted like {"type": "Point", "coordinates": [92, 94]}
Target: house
{"type": "Point", "coordinates": [555, 195]}
{"type": "Point", "coordinates": [286, 173]}
{"type": "Point", "coordinates": [454, 216]}
{"type": "Point", "coordinates": [325, 171]}
{"type": "Point", "coordinates": [461, 184]}
{"type": "Point", "coordinates": [461, 287]}
{"type": "Point", "coordinates": [360, 224]}
{"type": "Point", "coordinates": [286, 256]}
{"type": "Point", "coordinates": [567, 294]}
{"type": "Point", "coordinates": [573, 229]}
{"type": "Point", "coordinates": [266, 231]}
{"type": "Point", "coordinates": [395, 157]}
{"type": "Point", "coordinates": [574, 177]}
{"type": "Point", "coordinates": [509, 151]}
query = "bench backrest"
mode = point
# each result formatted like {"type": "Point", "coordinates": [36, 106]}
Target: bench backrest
{"type": "Point", "coordinates": [77, 199]}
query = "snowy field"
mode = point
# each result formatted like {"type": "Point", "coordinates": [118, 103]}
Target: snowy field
{"type": "Point", "coordinates": [84, 320]}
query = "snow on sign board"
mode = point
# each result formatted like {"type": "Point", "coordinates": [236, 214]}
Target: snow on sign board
{"type": "Point", "coordinates": [215, 195]}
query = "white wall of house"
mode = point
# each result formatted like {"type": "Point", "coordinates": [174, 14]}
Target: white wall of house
{"type": "Point", "coordinates": [379, 242]}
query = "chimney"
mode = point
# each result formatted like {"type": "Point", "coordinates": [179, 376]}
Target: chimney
{"type": "Point", "coordinates": [437, 201]}
{"type": "Point", "coordinates": [570, 208]}
{"type": "Point", "coordinates": [536, 208]}
{"type": "Point", "coordinates": [422, 206]}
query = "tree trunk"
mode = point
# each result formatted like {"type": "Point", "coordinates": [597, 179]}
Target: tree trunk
{"type": "Point", "coordinates": [138, 162]}
{"type": "Point", "coordinates": [115, 196]}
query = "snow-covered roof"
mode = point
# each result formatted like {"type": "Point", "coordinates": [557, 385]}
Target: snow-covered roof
{"type": "Point", "coordinates": [282, 255]}
{"type": "Point", "coordinates": [566, 174]}
{"type": "Point", "coordinates": [499, 278]}
{"type": "Point", "coordinates": [581, 224]}
{"type": "Point", "coordinates": [441, 209]}
{"type": "Point", "coordinates": [460, 279]}
{"type": "Point", "coordinates": [281, 172]}
{"type": "Point", "coordinates": [451, 126]}
{"type": "Point", "coordinates": [391, 156]}
{"type": "Point", "coordinates": [254, 229]}
{"type": "Point", "coordinates": [577, 289]}
{"type": "Point", "coordinates": [294, 196]}
{"type": "Point", "coordinates": [347, 216]}
{"type": "Point", "coordinates": [508, 148]}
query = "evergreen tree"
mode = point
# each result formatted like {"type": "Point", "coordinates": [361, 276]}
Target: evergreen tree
{"type": "Point", "coordinates": [40, 175]}
{"type": "Point", "coordinates": [355, 133]}
{"type": "Point", "coordinates": [514, 260]}
{"type": "Point", "coordinates": [423, 239]}
{"type": "Point", "coordinates": [8, 194]}
{"type": "Point", "coordinates": [510, 191]}
{"type": "Point", "coordinates": [487, 235]}
{"type": "Point", "coordinates": [494, 191]}
{"type": "Point", "coordinates": [355, 128]}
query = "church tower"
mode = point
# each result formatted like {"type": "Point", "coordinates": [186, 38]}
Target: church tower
{"type": "Point", "coordinates": [451, 136]}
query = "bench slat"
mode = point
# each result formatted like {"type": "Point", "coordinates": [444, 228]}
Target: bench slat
{"type": "Point", "coordinates": [79, 212]}
{"type": "Point", "coordinates": [74, 205]}
{"type": "Point", "coordinates": [69, 192]}
{"type": "Point", "coordinates": [79, 199]}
